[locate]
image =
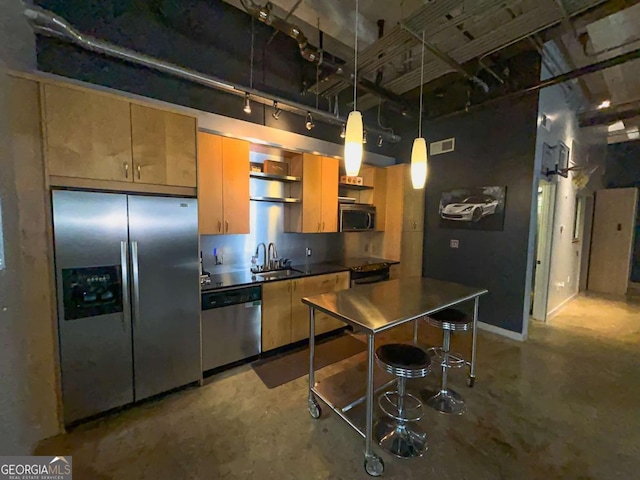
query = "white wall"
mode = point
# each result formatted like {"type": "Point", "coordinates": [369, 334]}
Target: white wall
{"type": "Point", "coordinates": [28, 384]}
{"type": "Point", "coordinates": [566, 254]}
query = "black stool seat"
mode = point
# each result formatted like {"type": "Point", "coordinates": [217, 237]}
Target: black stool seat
{"type": "Point", "coordinates": [450, 319]}
{"type": "Point", "coordinates": [404, 360]}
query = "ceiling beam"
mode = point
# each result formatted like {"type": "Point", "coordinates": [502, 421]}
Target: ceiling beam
{"type": "Point", "coordinates": [610, 115]}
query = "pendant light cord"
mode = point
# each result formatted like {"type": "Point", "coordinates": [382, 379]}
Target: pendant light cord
{"type": "Point", "coordinates": [355, 74]}
{"type": "Point", "coordinates": [421, 87]}
{"type": "Point", "coordinates": [252, 39]}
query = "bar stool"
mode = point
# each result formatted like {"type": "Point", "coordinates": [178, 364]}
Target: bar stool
{"type": "Point", "coordinates": [449, 320]}
{"type": "Point", "coordinates": [393, 433]}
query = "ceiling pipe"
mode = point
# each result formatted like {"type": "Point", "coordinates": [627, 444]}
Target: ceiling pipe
{"type": "Point", "coordinates": [47, 23]}
{"type": "Point", "coordinates": [313, 54]}
{"type": "Point", "coordinates": [446, 59]}
{"type": "Point", "coordinates": [565, 77]}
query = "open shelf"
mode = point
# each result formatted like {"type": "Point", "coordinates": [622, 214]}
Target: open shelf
{"type": "Point", "coordinates": [349, 186]}
{"type": "Point", "coordinates": [276, 199]}
{"type": "Point", "coordinates": [274, 176]}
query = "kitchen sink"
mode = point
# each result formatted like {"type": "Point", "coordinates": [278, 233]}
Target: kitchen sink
{"type": "Point", "coordinates": [277, 274]}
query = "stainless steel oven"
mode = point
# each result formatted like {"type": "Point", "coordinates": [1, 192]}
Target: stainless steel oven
{"type": "Point", "coordinates": [356, 217]}
{"type": "Point", "coordinates": [369, 274]}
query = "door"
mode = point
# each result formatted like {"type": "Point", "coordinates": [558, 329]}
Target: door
{"type": "Point", "coordinates": [235, 186]}
{"type": "Point", "coordinates": [612, 240]}
{"type": "Point", "coordinates": [164, 147]}
{"type": "Point", "coordinates": [546, 205]}
{"type": "Point", "coordinates": [330, 172]}
{"type": "Point", "coordinates": [210, 210]}
{"type": "Point", "coordinates": [88, 135]}
{"type": "Point", "coordinates": [276, 314]}
{"type": "Point", "coordinates": [94, 324]}
{"type": "Point", "coordinates": [312, 193]}
{"type": "Point", "coordinates": [163, 235]}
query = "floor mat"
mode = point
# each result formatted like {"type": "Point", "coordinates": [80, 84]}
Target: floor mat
{"type": "Point", "coordinates": [284, 368]}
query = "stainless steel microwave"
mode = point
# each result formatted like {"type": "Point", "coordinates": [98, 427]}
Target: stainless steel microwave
{"type": "Point", "coordinates": [356, 217]}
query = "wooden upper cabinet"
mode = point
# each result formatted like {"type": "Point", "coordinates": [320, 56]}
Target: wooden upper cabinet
{"type": "Point", "coordinates": [210, 205]}
{"type": "Point", "coordinates": [235, 185]}
{"type": "Point", "coordinates": [87, 135]}
{"type": "Point", "coordinates": [223, 185]}
{"type": "Point", "coordinates": [164, 147]}
{"type": "Point", "coordinates": [330, 174]}
{"type": "Point", "coordinates": [318, 191]}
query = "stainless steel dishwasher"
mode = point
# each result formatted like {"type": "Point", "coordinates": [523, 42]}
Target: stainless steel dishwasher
{"type": "Point", "coordinates": [231, 326]}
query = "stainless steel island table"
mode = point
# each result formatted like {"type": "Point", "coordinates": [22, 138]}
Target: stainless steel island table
{"type": "Point", "coordinates": [372, 309]}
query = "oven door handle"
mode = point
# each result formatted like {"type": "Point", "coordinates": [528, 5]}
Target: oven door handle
{"type": "Point", "coordinates": [372, 279]}
{"type": "Point", "coordinates": [369, 221]}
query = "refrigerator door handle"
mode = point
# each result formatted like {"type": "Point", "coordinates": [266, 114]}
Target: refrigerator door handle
{"type": "Point", "coordinates": [124, 265]}
{"type": "Point", "coordinates": [135, 278]}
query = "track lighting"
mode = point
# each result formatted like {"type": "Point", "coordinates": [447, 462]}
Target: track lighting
{"type": "Point", "coordinates": [364, 137]}
{"type": "Point", "coordinates": [309, 124]}
{"type": "Point", "coordinates": [276, 113]}
{"type": "Point", "coordinates": [343, 132]}
{"type": "Point", "coordinates": [379, 140]}
{"type": "Point", "coordinates": [247, 104]}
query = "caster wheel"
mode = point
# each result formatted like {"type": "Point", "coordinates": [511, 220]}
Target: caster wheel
{"type": "Point", "coordinates": [374, 466]}
{"type": "Point", "coordinates": [471, 381]}
{"type": "Point", "coordinates": [314, 409]}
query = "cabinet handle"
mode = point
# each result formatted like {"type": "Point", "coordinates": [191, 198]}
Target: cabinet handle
{"type": "Point", "coordinates": [294, 285]}
{"type": "Point", "coordinates": [219, 226]}
{"type": "Point", "coordinates": [318, 226]}
{"type": "Point", "coordinates": [226, 226]}
{"type": "Point", "coordinates": [323, 226]}
{"type": "Point", "coordinates": [126, 170]}
{"type": "Point", "coordinates": [289, 286]}
{"type": "Point", "coordinates": [138, 168]}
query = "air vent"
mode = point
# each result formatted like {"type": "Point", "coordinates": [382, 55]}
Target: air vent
{"type": "Point", "coordinates": [443, 146]}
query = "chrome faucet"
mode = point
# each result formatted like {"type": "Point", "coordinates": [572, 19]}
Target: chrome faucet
{"type": "Point", "coordinates": [273, 255]}
{"type": "Point", "coordinates": [264, 258]}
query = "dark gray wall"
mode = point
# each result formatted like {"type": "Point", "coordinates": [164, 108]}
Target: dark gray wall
{"type": "Point", "coordinates": [623, 170]}
{"type": "Point", "coordinates": [494, 146]}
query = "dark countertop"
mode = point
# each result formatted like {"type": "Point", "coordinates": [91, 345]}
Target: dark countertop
{"type": "Point", "coordinates": [246, 278]}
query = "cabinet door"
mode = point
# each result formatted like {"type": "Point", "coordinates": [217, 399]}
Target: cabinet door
{"type": "Point", "coordinates": [87, 135]}
{"type": "Point", "coordinates": [235, 186]}
{"type": "Point", "coordinates": [312, 194]}
{"type": "Point", "coordinates": [210, 214]}
{"type": "Point", "coordinates": [307, 287]}
{"type": "Point", "coordinates": [341, 281]}
{"type": "Point", "coordinates": [411, 255]}
{"type": "Point", "coordinates": [330, 172]}
{"type": "Point", "coordinates": [164, 147]}
{"type": "Point", "coordinates": [299, 311]}
{"type": "Point", "coordinates": [276, 314]}
{"type": "Point", "coordinates": [413, 211]}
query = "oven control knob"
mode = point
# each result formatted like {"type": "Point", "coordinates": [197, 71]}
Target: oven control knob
{"type": "Point", "coordinates": [358, 269]}
{"type": "Point", "coordinates": [385, 265]}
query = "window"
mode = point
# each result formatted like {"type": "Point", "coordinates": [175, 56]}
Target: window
{"type": "Point", "coordinates": [578, 219]}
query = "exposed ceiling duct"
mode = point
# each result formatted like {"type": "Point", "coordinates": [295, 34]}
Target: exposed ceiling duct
{"type": "Point", "coordinates": [47, 23]}
{"type": "Point", "coordinates": [315, 55]}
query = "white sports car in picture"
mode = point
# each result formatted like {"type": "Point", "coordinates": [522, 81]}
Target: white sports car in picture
{"type": "Point", "coordinates": [471, 209]}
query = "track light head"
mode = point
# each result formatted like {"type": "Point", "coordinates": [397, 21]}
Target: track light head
{"type": "Point", "coordinates": [343, 132]}
{"type": "Point", "coordinates": [364, 136]}
{"type": "Point", "coordinates": [309, 123]}
{"type": "Point", "coordinates": [247, 104]}
{"type": "Point", "coordinates": [379, 141]}
{"type": "Point", "coordinates": [276, 113]}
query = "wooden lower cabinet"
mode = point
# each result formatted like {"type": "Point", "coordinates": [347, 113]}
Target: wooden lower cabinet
{"type": "Point", "coordinates": [276, 315]}
{"type": "Point", "coordinates": [285, 319]}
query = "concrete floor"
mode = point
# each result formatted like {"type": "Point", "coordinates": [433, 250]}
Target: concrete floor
{"type": "Point", "coordinates": [563, 405]}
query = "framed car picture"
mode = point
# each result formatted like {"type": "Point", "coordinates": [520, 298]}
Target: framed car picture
{"type": "Point", "coordinates": [475, 208]}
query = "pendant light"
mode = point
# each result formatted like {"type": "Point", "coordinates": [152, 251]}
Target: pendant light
{"type": "Point", "coordinates": [419, 150]}
{"type": "Point", "coordinates": [354, 131]}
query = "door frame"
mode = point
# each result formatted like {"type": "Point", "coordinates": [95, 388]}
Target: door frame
{"type": "Point", "coordinates": [544, 244]}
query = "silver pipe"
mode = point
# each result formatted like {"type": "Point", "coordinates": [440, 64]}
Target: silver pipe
{"type": "Point", "coordinates": [47, 23]}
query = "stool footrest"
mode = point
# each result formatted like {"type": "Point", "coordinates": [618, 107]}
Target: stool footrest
{"type": "Point", "coordinates": [456, 360]}
{"type": "Point", "coordinates": [412, 410]}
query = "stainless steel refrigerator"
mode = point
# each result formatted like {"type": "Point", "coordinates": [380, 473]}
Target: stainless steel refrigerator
{"type": "Point", "coordinates": [127, 272]}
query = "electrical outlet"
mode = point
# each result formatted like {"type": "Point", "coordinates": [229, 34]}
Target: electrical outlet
{"type": "Point", "coordinates": [307, 252]}
{"type": "Point", "coordinates": [454, 243]}
{"type": "Point", "coordinates": [366, 248]}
